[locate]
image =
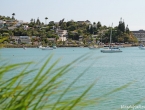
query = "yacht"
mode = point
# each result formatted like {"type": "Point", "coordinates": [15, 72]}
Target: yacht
{"type": "Point", "coordinates": [111, 50]}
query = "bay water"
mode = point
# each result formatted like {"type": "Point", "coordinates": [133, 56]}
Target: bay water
{"type": "Point", "coordinates": [112, 70]}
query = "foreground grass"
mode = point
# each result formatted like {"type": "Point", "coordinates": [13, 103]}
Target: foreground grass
{"type": "Point", "coordinates": [44, 91]}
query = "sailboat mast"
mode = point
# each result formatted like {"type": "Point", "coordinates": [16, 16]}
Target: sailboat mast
{"type": "Point", "coordinates": [111, 36]}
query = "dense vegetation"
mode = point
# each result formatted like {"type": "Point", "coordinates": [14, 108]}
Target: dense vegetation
{"type": "Point", "coordinates": [121, 34]}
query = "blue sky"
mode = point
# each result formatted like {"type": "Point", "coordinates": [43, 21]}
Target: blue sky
{"type": "Point", "coordinates": [105, 11]}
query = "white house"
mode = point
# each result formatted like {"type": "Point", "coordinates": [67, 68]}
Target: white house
{"type": "Point", "coordinates": [62, 34]}
{"type": "Point", "coordinates": [25, 39]}
{"type": "Point", "coordinates": [20, 22]}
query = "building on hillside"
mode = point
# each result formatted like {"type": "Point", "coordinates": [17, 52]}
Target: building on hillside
{"type": "Point", "coordinates": [26, 27]}
{"type": "Point", "coordinates": [19, 23]}
{"type": "Point", "coordinates": [140, 35]}
{"type": "Point", "coordinates": [11, 22]}
{"type": "Point", "coordinates": [25, 39]}
{"type": "Point", "coordinates": [51, 39]}
{"type": "Point", "coordinates": [1, 23]}
{"type": "Point", "coordinates": [15, 39]}
{"type": "Point", "coordinates": [84, 22]}
{"type": "Point", "coordinates": [12, 28]}
{"type": "Point", "coordinates": [80, 38]}
{"type": "Point", "coordinates": [63, 34]}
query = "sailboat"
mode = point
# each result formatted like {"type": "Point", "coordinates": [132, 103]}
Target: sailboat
{"type": "Point", "coordinates": [111, 49]}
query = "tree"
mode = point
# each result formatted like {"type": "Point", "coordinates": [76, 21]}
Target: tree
{"type": "Point", "coordinates": [31, 20]}
{"type": "Point", "coordinates": [127, 30]}
{"type": "Point", "coordinates": [61, 21]}
{"type": "Point", "coordinates": [121, 26]}
{"type": "Point", "coordinates": [99, 24]}
{"type": "Point", "coordinates": [38, 21]}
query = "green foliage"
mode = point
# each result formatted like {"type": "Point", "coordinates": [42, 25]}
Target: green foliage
{"type": "Point", "coordinates": [3, 39]}
{"type": "Point", "coordinates": [38, 92]}
{"type": "Point", "coordinates": [81, 28]}
{"type": "Point", "coordinates": [99, 25]}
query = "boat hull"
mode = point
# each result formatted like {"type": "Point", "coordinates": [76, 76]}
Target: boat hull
{"type": "Point", "coordinates": [47, 48]}
{"type": "Point", "coordinates": [142, 48]}
{"type": "Point", "coordinates": [111, 51]}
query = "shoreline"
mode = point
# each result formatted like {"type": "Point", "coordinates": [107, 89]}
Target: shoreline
{"type": "Point", "coordinates": [36, 46]}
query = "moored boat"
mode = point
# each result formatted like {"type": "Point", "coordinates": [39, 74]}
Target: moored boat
{"type": "Point", "coordinates": [47, 48]}
{"type": "Point", "coordinates": [110, 49]}
{"type": "Point", "coordinates": [142, 47]}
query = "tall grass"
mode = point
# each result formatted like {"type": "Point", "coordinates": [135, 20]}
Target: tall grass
{"type": "Point", "coordinates": [45, 90]}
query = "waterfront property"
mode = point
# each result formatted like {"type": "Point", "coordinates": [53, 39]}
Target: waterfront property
{"type": "Point", "coordinates": [62, 34]}
{"type": "Point", "coordinates": [140, 35]}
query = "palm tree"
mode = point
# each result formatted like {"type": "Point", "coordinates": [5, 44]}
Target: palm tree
{"type": "Point", "coordinates": [46, 20]}
{"type": "Point", "coordinates": [13, 15]}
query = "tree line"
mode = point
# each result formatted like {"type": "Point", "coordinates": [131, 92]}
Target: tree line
{"type": "Point", "coordinates": [46, 30]}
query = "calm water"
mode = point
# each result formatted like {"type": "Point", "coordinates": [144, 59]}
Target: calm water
{"type": "Point", "coordinates": [112, 69]}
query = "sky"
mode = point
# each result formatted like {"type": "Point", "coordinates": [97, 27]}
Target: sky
{"type": "Point", "coordinates": [105, 11]}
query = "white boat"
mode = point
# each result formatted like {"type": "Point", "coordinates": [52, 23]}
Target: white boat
{"type": "Point", "coordinates": [93, 47]}
{"type": "Point", "coordinates": [142, 47]}
{"type": "Point", "coordinates": [54, 47]}
{"type": "Point", "coordinates": [24, 48]}
{"type": "Point", "coordinates": [47, 48]}
{"type": "Point", "coordinates": [110, 49]}
{"type": "Point", "coordinates": [41, 47]}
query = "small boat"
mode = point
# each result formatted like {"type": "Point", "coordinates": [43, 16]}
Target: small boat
{"type": "Point", "coordinates": [47, 48]}
{"type": "Point", "coordinates": [24, 48]}
{"type": "Point", "coordinates": [93, 48]}
{"type": "Point", "coordinates": [54, 47]}
{"type": "Point", "coordinates": [40, 47]}
{"type": "Point", "coordinates": [111, 50]}
{"type": "Point", "coordinates": [142, 47]}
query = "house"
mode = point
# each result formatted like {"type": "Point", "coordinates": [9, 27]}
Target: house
{"type": "Point", "coordinates": [140, 35]}
{"type": "Point", "coordinates": [19, 23]}
{"type": "Point", "coordinates": [11, 28]}
{"type": "Point", "coordinates": [25, 39]}
{"type": "Point", "coordinates": [87, 22]}
{"type": "Point", "coordinates": [15, 39]}
{"type": "Point", "coordinates": [84, 22]}
{"type": "Point", "coordinates": [2, 23]}
{"type": "Point", "coordinates": [11, 22]}
{"type": "Point", "coordinates": [25, 27]}
{"type": "Point", "coordinates": [51, 39]}
{"type": "Point", "coordinates": [63, 34]}
{"type": "Point", "coordinates": [80, 38]}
